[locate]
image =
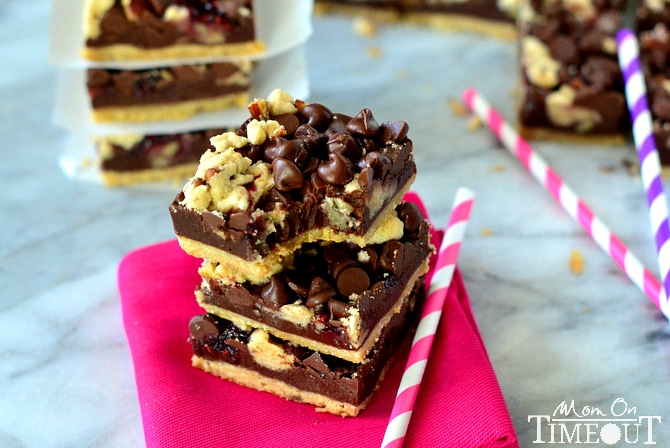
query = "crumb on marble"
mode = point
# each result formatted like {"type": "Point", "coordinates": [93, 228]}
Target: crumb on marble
{"type": "Point", "coordinates": [499, 168]}
{"type": "Point", "coordinates": [86, 163]}
{"type": "Point", "coordinates": [374, 51]}
{"type": "Point", "coordinates": [487, 231]}
{"type": "Point", "coordinates": [363, 26]}
{"type": "Point", "coordinates": [474, 123]}
{"type": "Point", "coordinates": [576, 262]}
{"type": "Point", "coordinates": [457, 107]}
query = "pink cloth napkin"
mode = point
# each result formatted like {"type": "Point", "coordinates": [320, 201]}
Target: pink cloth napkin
{"type": "Point", "coordinates": [460, 404]}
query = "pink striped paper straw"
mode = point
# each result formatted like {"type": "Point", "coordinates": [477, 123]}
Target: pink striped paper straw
{"type": "Point", "coordinates": [565, 196]}
{"type": "Point", "coordinates": [650, 163]}
{"type": "Point", "coordinates": [431, 313]}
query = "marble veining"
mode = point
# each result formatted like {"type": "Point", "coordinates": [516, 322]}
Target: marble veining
{"type": "Point", "coordinates": [66, 377]}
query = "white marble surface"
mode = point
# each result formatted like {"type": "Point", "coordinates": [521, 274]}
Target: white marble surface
{"type": "Point", "coordinates": [66, 377]}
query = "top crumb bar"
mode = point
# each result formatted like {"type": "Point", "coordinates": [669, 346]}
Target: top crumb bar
{"type": "Point", "coordinates": [294, 173]}
{"type": "Point", "coordinates": [118, 30]}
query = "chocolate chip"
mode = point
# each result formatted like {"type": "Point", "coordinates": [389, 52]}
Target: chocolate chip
{"type": "Point", "coordinates": [411, 216]}
{"type": "Point", "coordinates": [287, 176]}
{"type": "Point", "coordinates": [564, 49]}
{"type": "Point", "coordinates": [252, 152]}
{"type": "Point", "coordinates": [296, 283]}
{"type": "Point", "coordinates": [213, 220]}
{"type": "Point", "coordinates": [314, 361]}
{"type": "Point", "coordinates": [337, 309]}
{"type": "Point", "coordinates": [288, 150]}
{"type": "Point", "coordinates": [336, 267]}
{"type": "Point", "coordinates": [365, 178]}
{"type": "Point", "coordinates": [274, 293]}
{"type": "Point", "coordinates": [289, 121]}
{"type": "Point", "coordinates": [344, 144]}
{"type": "Point", "coordinates": [337, 171]}
{"type": "Point", "coordinates": [394, 131]}
{"type": "Point", "coordinates": [316, 115]}
{"type": "Point", "coordinates": [239, 220]}
{"type": "Point", "coordinates": [601, 71]}
{"type": "Point", "coordinates": [320, 291]}
{"type": "Point", "coordinates": [364, 124]}
{"type": "Point", "coordinates": [202, 327]}
{"type": "Point", "coordinates": [271, 147]}
{"type": "Point", "coordinates": [352, 280]}
{"type": "Point", "coordinates": [379, 162]}
{"type": "Point", "coordinates": [316, 182]}
{"type": "Point", "coordinates": [368, 258]}
{"type": "Point", "coordinates": [339, 123]}
{"type": "Point", "coordinates": [390, 258]}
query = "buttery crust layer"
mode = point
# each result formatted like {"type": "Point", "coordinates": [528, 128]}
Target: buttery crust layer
{"type": "Point", "coordinates": [124, 52]}
{"type": "Point", "coordinates": [350, 347]}
{"type": "Point", "coordinates": [169, 111]}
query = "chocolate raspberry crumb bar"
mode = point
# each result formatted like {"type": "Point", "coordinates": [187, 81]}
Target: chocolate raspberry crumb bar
{"type": "Point", "coordinates": [294, 173]}
{"type": "Point", "coordinates": [313, 269]}
{"type": "Point", "coordinates": [571, 84]}
{"type": "Point", "coordinates": [122, 30]}
{"type": "Point", "coordinates": [334, 298]}
{"type": "Point", "coordinates": [132, 159]}
{"type": "Point", "coordinates": [256, 359]}
{"type": "Point", "coordinates": [167, 93]}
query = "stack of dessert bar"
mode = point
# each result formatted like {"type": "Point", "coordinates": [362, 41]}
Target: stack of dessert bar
{"type": "Point", "coordinates": [313, 266]}
{"type": "Point", "coordinates": [157, 74]}
{"type": "Point", "coordinates": [150, 33]}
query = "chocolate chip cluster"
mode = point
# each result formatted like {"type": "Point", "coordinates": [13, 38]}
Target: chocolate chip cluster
{"type": "Point", "coordinates": [585, 47]}
{"type": "Point", "coordinates": [322, 150]}
{"type": "Point", "coordinates": [326, 278]}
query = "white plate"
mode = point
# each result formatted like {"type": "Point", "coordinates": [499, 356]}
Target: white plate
{"type": "Point", "coordinates": [72, 107]}
{"type": "Point", "coordinates": [281, 25]}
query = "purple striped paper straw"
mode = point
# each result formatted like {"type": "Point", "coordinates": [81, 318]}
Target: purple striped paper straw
{"type": "Point", "coordinates": [394, 437]}
{"type": "Point", "coordinates": [650, 164]}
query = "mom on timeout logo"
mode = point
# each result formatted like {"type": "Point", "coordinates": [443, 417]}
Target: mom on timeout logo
{"type": "Point", "coordinates": [619, 425]}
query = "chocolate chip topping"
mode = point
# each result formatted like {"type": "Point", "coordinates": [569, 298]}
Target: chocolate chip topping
{"type": "Point", "coordinates": [338, 170]}
{"type": "Point", "coordinates": [315, 362]}
{"type": "Point", "coordinates": [320, 291]}
{"type": "Point", "coordinates": [411, 216]}
{"type": "Point", "coordinates": [352, 280]}
{"type": "Point", "coordinates": [337, 309]}
{"type": "Point", "coordinates": [286, 175]}
{"type": "Point", "coordinates": [363, 124]}
{"type": "Point", "coordinates": [317, 116]}
{"type": "Point", "coordinates": [239, 220]}
{"type": "Point", "coordinates": [202, 327]}
{"type": "Point", "coordinates": [274, 293]}
{"type": "Point", "coordinates": [394, 131]}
